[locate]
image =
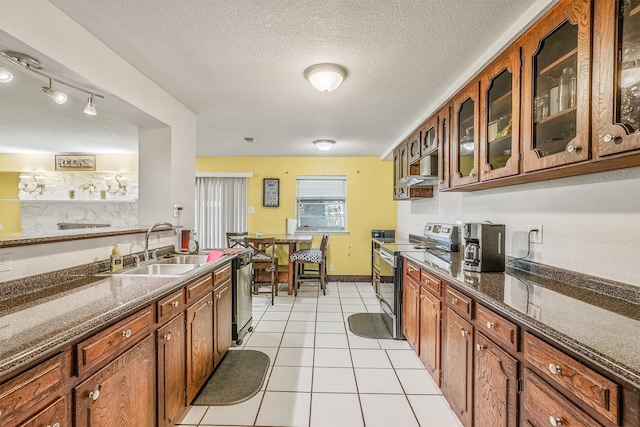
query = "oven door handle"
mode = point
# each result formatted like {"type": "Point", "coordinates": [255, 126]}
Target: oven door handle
{"type": "Point", "coordinates": [387, 257]}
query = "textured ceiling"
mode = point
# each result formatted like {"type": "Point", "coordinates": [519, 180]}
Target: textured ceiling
{"type": "Point", "coordinates": [239, 64]}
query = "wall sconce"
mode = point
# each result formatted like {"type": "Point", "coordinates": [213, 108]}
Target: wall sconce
{"type": "Point", "coordinates": [121, 182]}
{"type": "Point", "coordinates": [32, 183]}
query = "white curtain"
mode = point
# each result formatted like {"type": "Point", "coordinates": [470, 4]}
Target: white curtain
{"type": "Point", "coordinates": [221, 206]}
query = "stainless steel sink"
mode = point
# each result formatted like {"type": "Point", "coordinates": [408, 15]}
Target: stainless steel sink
{"type": "Point", "coordinates": [184, 259]}
{"type": "Point", "coordinates": [161, 269]}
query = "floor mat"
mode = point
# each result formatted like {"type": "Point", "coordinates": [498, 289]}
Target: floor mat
{"type": "Point", "coordinates": [239, 376]}
{"type": "Point", "coordinates": [369, 325]}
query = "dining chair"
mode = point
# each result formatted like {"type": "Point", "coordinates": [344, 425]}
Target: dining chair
{"type": "Point", "coordinates": [314, 256]}
{"type": "Point", "coordinates": [265, 263]}
{"type": "Point", "coordinates": [235, 239]}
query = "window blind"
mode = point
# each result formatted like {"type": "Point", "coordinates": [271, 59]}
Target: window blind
{"type": "Point", "coordinates": [321, 187]}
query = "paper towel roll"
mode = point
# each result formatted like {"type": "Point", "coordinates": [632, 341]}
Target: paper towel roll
{"type": "Point", "coordinates": [291, 224]}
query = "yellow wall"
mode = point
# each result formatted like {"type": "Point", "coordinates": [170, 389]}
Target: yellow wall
{"type": "Point", "coordinates": [9, 211]}
{"type": "Point", "coordinates": [370, 203]}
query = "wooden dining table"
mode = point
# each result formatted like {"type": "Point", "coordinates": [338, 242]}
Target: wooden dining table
{"type": "Point", "coordinates": [291, 240]}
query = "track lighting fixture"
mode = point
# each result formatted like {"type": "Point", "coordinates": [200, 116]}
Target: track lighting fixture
{"type": "Point", "coordinates": [56, 95]}
{"type": "Point", "coordinates": [29, 63]}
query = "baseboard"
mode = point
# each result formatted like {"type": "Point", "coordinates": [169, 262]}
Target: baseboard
{"type": "Point", "coordinates": [348, 278]}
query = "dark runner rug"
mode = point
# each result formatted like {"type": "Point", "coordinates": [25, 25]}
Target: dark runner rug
{"type": "Point", "coordinates": [239, 376]}
{"type": "Point", "coordinates": [369, 325]}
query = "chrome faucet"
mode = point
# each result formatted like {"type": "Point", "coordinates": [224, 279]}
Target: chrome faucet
{"type": "Point", "coordinates": [153, 227]}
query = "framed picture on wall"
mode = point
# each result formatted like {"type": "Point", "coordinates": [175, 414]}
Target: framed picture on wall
{"type": "Point", "coordinates": [271, 192]}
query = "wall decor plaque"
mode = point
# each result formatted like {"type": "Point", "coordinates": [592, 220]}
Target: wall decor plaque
{"type": "Point", "coordinates": [271, 192]}
{"type": "Point", "coordinates": [75, 162]}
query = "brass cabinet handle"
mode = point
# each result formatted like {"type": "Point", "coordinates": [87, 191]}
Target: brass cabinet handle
{"type": "Point", "coordinates": [555, 421]}
{"type": "Point", "coordinates": [175, 303]}
{"type": "Point", "coordinates": [490, 325]}
{"type": "Point", "coordinates": [554, 369]}
{"type": "Point", "coordinates": [463, 332]}
{"type": "Point", "coordinates": [480, 347]}
{"type": "Point", "coordinates": [94, 395]}
{"type": "Point", "coordinates": [167, 337]}
{"type": "Point", "coordinates": [127, 333]}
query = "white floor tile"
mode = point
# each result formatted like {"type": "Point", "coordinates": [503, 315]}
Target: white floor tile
{"type": "Point", "coordinates": [335, 410]}
{"type": "Point", "coordinates": [290, 378]}
{"type": "Point", "coordinates": [373, 308]}
{"type": "Point", "coordinates": [334, 380]}
{"type": "Point", "coordinates": [294, 356]}
{"type": "Point", "coordinates": [433, 411]}
{"type": "Point", "coordinates": [392, 344]}
{"type": "Point", "coordinates": [330, 328]}
{"type": "Point", "coordinates": [329, 308]}
{"type": "Point", "coordinates": [302, 316]}
{"type": "Point", "coordinates": [194, 415]}
{"type": "Point", "coordinates": [359, 342]}
{"type": "Point", "coordinates": [330, 317]}
{"type": "Point", "coordinates": [304, 307]}
{"type": "Point", "coordinates": [332, 358]}
{"type": "Point", "coordinates": [350, 300]}
{"type": "Point", "coordinates": [304, 327]}
{"type": "Point", "coordinates": [275, 315]}
{"type": "Point", "coordinates": [270, 326]}
{"type": "Point", "coordinates": [368, 358]}
{"type": "Point", "coordinates": [354, 308]}
{"type": "Point", "coordinates": [405, 359]}
{"type": "Point", "coordinates": [377, 381]}
{"type": "Point", "coordinates": [384, 410]}
{"type": "Point", "coordinates": [264, 339]}
{"type": "Point", "coordinates": [284, 409]}
{"type": "Point", "coordinates": [331, 341]}
{"type": "Point", "coordinates": [243, 413]}
{"type": "Point", "coordinates": [280, 307]}
{"type": "Point", "coordinates": [294, 339]}
{"type": "Point", "coordinates": [417, 381]}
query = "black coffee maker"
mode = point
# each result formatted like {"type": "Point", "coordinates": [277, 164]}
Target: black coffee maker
{"type": "Point", "coordinates": [484, 247]}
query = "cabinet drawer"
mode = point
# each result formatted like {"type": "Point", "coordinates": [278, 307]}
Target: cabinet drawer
{"type": "Point", "coordinates": [222, 274]}
{"type": "Point", "coordinates": [198, 288]}
{"type": "Point", "coordinates": [461, 303]}
{"type": "Point", "coordinates": [412, 271]}
{"type": "Point", "coordinates": [112, 341]}
{"type": "Point", "coordinates": [543, 406]}
{"type": "Point", "coordinates": [580, 381]}
{"type": "Point", "coordinates": [497, 327]}
{"type": "Point", "coordinates": [430, 282]}
{"type": "Point", "coordinates": [170, 306]}
{"type": "Point", "coordinates": [26, 391]}
{"type": "Point", "coordinates": [54, 415]}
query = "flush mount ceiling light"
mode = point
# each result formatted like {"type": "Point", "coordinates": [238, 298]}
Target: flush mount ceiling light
{"type": "Point", "coordinates": [324, 144]}
{"type": "Point", "coordinates": [5, 75]}
{"type": "Point", "coordinates": [325, 77]}
{"type": "Point", "coordinates": [31, 64]}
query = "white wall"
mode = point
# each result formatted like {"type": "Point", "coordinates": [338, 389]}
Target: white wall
{"type": "Point", "coordinates": [591, 223]}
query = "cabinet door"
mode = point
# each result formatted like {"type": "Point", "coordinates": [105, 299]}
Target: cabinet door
{"type": "Point", "coordinates": [495, 385]}
{"type": "Point", "coordinates": [400, 167]}
{"type": "Point", "coordinates": [444, 145]}
{"type": "Point", "coordinates": [413, 147]}
{"type": "Point", "coordinates": [429, 135]}
{"type": "Point", "coordinates": [199, 344]}
{"type": "Point", "coordinates": [555, 78]}
{"type": "Point", "coordinates": [221, 321]}
{"type": "Point", "coordinates": [464, 154]}
{"type": "Point", "coordinates": [170, 340]}
{"type": "Point", "coordinates": [457, 366]}
{"type": "Point", "coordinates": [120, 394]}
{"type": "Point", "coordinates": [616, 77]}
{"type": "Point", "coordinates": [410, 297]}
{"type": "Point", "coordinates": [500, 116]}
{"type": "Point", "coordinates": [54, 415]}
{"type": "Point", "coordinates": [429, 340]}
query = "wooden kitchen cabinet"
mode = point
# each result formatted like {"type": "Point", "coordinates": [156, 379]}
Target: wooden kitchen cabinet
{"type": "Point", "coordinates": [444, 146]}
{"type": "Point", "coordinates": [457, 366]}
{"type": "Point", "coordinates": [400, 169]}
{"type": "Point", "coordinates": [616, 77]}
{"type": "Point", "coordinates": [171, 378]}
{"type": "Point", "coordinates": [410, 307]}
{"type": "Point", "coordinates": [199, 344]}
{"type": "Point", "coordinates": [429, 136]}
{"type": "Point", "coordinates": [120, 394]}
{"type": "Point", "coordinates": [430, 336]}
{"type": "Point", "coordinates": [556, 80]}
{"type": "Point", "coordinates": [54, 415]}
{"type": "Point", "coordinates": [465, 136]}
{"type": "Point", "coordinates": [222, 318]}
{"type": "Point", "coordinates": [500, 117]}
{"type": "Point", "coordinates": [414, 146]}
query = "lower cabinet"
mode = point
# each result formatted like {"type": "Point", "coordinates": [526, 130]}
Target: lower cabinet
{"type": "Point", "coordinates": [410, 314]}
{"type": "Point", "coordinates": [54, 415]}
{"type": "Point", "coordinates": [495, 385]}
{"type": "Point", "coordinates": [457, 369]}
{"type": "Point", "coordinates": [429, 340]}
{"type": "Point", "coordinates": [199, 344]}
{"type": "Point", "coordinates": [170, 341]}
{"type": "Point", "coordinates": [122, 393]}
{"type": "Point", "coordinates": [221, 321]}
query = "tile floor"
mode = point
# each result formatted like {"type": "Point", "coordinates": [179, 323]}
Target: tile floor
{"type": "Point", "coordinates": [323, 375]}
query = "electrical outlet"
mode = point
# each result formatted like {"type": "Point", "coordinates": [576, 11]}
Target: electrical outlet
{"type": "Point", "coordinates": [177, 209]}
{"type": "Point", "coordinates": [5, 262]}
{"type": "Point", "coordinates": [330, 267]}
{"type": "Point", "coordinates": [535, 236]}
{"type": "Point", "coordinates": [252, 209]}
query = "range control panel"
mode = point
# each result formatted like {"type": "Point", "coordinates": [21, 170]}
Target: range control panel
{"type": "Point", "coordinates": [443, 236]}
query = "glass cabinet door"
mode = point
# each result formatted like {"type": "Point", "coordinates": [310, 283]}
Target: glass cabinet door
{"type": "Point", "coordinates": [616, 79]}
{"type": "Point", "coordinates": [556, 78]}
{"type": "Point", "coordinates": [464, 159]}
{"type": "Point", "coordinates": [443, 138]}
{"type": "Point", "coordinates": [414, 147]}
{"type": "Point", "coordinates": [428, 141]}
{"type": "Point", "coordinates": [500, 117]}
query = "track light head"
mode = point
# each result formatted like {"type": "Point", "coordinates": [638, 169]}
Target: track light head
{"type": "Point", "coordinates": [56, 95]}
{"type": "Point", "coordinates": [90, 108]}
{"type": "Point", "coordinates": [5, 75]}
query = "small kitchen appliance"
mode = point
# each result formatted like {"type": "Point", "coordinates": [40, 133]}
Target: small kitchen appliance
{"type": "Point", "coordinates": [484, 247]}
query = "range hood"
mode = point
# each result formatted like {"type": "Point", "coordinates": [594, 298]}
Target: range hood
{"type": "Point", "coordinates": [427, 172]}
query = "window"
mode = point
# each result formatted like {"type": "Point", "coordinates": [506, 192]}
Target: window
{"type": "Point", "coordinates": [322, 203]}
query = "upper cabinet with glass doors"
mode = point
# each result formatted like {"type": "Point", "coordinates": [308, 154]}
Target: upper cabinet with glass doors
{"type": "Point", "coordinates": [443, 140]}
{"type": "Point", "coordinates": [616, 72]}
{"type": "Point", "coordinates": [464, 152]}
{"type": "Point", "coordinates": [500, 117]}
{"type": "Point", "coordinates": [555, 79]}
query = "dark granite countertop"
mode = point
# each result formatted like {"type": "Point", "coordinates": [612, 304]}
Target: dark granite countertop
{"type": "Point", "coordinates": [600, 322]}
{"type": "Point", "coordinates": [34, 324]}
{"type": "Point", "coordinates": [20, 239]}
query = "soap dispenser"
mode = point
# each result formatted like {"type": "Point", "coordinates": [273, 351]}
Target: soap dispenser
{"type": "Point", "coordinates": [116, 259]}
{"type": "Point", "coordinates": [194, 247]}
